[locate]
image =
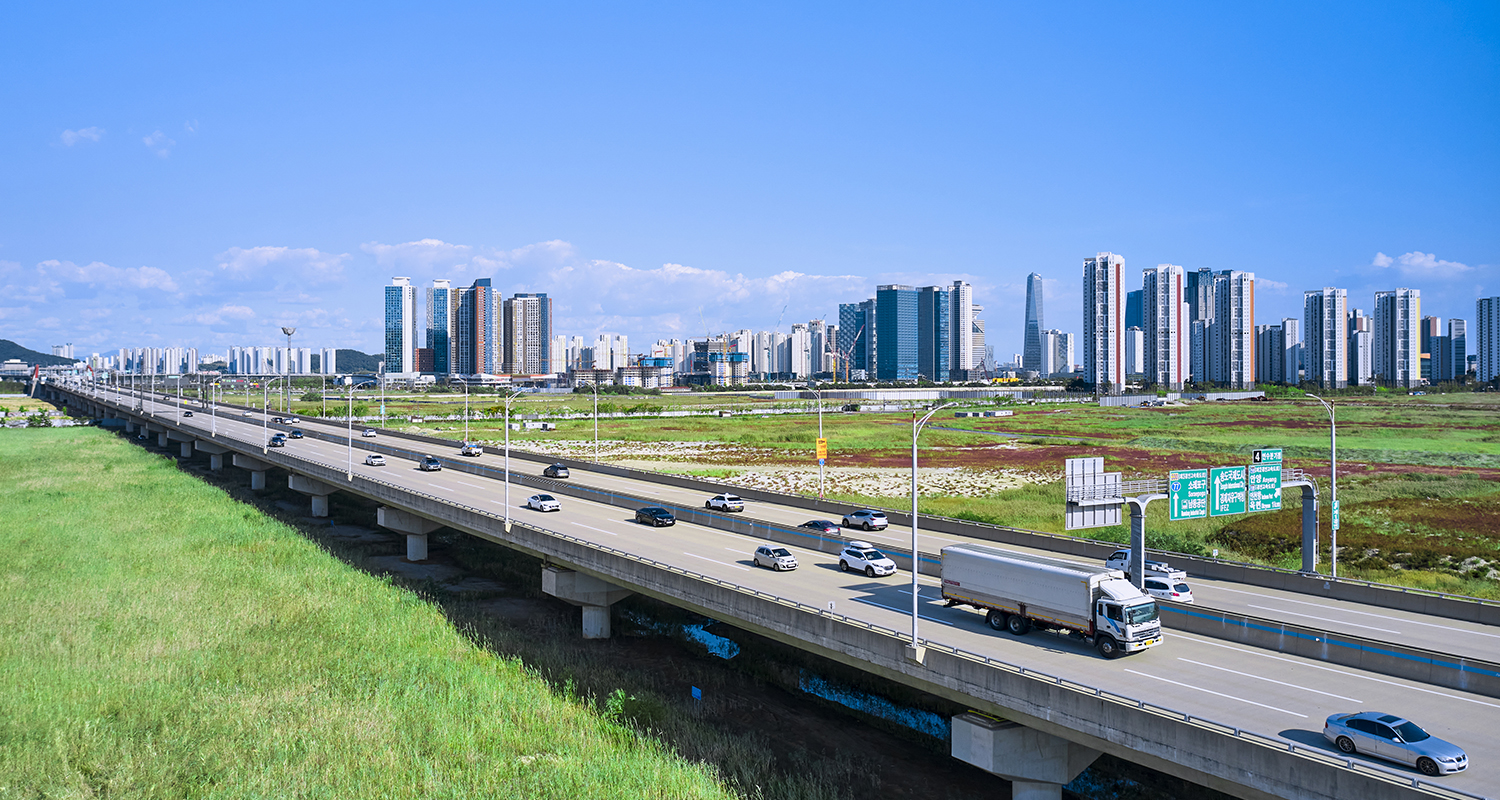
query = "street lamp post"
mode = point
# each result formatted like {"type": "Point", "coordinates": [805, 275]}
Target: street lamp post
{"type": "Point", "coordinates": [819, 391]}
{"type": "Point", "coordinates": [916, 430]}
{"type": "Point", "coordinates": [466, 412]}
{"type": "Point", "coordinates": [349, 391]}
{"type": "Point", "coordinates": [1333, 481]}
{"type": "Point", "coordinates": [511, 395]}
{"type": "Point", "coordinates": [595, 386]}
{"type": "Point", "coordinates": [265, 418]}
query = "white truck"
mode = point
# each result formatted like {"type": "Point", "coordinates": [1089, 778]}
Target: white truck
{"type": "Point", "coordinates": [1020, 592]}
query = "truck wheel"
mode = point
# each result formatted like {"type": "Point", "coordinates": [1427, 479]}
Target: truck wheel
{"type": "Point", "coordinates": [1107, 647]}
{"type": "Point", "coordinates": [1018, 625]}
{"type": "Point", "coordinates": [996, 619]}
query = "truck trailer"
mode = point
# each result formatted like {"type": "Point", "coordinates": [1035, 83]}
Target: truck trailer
{"type": "Point", "coordinates": [1019, 592]}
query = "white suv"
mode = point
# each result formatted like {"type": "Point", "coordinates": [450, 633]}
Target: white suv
{"type": "Point", "coordinates": [863, 557]}
{"type": "Point", "coordinates": [866, 519]}
{"type": "Point", "coordinates": [725, 502]}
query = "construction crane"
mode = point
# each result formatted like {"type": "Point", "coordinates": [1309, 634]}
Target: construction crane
{"type": "Point", "coordinates": [846, 356]}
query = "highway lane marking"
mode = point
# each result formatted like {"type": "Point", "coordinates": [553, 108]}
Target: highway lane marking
{"type": "Point", "coordinates": [1324, 619]}
{"type": "Point", "coordinates": [1334, 670]}
{"type": "Point", "coordinates": [1212, 692]}
{"type": "Point", "coordinates": [716, 561]}
{"type": "Point", "coordinates": [1269, 680]}
{"type": "Point", "coordinates": [1352, 611]}
{"type": "Point", "coordinates": [592, 528]}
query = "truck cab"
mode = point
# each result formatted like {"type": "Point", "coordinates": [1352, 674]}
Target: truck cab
{"type": "Point", "coordinates": [1127, 624]}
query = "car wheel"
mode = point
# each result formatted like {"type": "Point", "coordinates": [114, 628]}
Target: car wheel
{"type": "Point", "coordinates": [846, 522]}
{"type": "Point", "coordinates": [843, 566]}
{"type": "Point", "coordinates": [708, 505]}
{"type": "Point", "coordinates": [1018, 625]}
{"type": "Point", "coordinates": [1428, 766]}
{"type": "Point", "coordinates": [1345, 745]}
{"type": "Point", "coordinates": [869, 572]}
{"type": "Point", "coordinates": [866, 526]}
{"type": "Point", "coordinates": [1107, 647]}
{"type": "Point", "coordinates": [995, 619]}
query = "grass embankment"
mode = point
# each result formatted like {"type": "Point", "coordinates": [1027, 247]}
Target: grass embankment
{"type": "Point", "coordinates": [167, 641]}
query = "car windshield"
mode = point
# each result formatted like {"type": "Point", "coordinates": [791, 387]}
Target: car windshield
{"type": "Point", "coordinates": [731, 498]}
{"type": "Point", "coordinates": [1412, 732]}
{"type": "Point", "coordinates": [1181, 587]}
{"type": "Point", "coordinates": [780, 552]}
{"type": "Point", "coordinates": [1145, 612]}
{"type": "Point", "coordinates": [872, 555]}
{"type": "Point", "coordinates": [544, 497]}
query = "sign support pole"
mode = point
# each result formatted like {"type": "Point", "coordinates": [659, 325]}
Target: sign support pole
{"type": "Point", "coordinates": [1138, 537]}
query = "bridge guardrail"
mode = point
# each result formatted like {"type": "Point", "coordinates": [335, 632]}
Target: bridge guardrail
{"type": "Point", "coordinates": [1314, 754]}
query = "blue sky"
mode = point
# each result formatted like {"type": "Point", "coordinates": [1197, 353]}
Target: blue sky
{"type": "Point", "coordinates": [201, 175]}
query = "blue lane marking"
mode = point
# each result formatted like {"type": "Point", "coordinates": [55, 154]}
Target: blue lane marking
{"type": "Point", "coordinates": [1326, 639]}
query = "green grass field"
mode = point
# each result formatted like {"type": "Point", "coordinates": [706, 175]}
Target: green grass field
{"type": "Point", "coordinates": [166, 641]}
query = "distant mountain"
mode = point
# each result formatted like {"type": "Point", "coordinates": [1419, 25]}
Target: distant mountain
{"type": "Point", "coordinates": [9, 350]}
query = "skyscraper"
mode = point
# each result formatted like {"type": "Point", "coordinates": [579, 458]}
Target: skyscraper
{"type": "Point", "coordinates": [1451, 359]}
{"type": "Point", "coordinates": [1164, 313]}
{"type": "Point", "coordinates": [1432, 328]}
{"type": "Point", "coordinates": [400, 327]}
{"type": "Point", "coordinates": [1487, 337]}
{"type": "Point", "coordinates": [1103, 322]}
{"type": "Point", "coordinates": [961, 329]}
{"type": "Point", "coordinates": [1231, 334]}
{"type": "Point", "coordinates": [1398, 346]}
{"type": "Point", "coordinates": [442, 317]}
{"type": "Point", "coordinates": [1326, 340]}
{"type": "Point", "coordinates": [528, 335]}
{"type": "Point", "coordinates": [1031, 350]}
{"type": "Point", "coordinates": [934, 334]}
{"type": "Point", "coordinates": [895, 333]}
{"type": "Point", "coordinates": [478, 350]}
{"type": "Point", "coordinates": [1134, 313]}
{"type": "Point", "coordinates": [853, 333]}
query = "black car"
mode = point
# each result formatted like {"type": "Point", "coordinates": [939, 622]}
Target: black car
{"type": "Point", "coordinates": [822, 526]}
{"type": "Point", "coordinates": [296, 433]}
{"type": "Point", "coordinates": [655, 516]}
{"type": "Point", "coordinates": [556, 471]}
{"type": "Point", "coordinates": [277, 420]}
{"type": "Point", "coordinates": [277, 441]}
{"type": "Point", "coordinates": [187, 413]}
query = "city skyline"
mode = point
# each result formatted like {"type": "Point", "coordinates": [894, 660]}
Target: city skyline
{"type": "Point", "coordinates": [144, 205]}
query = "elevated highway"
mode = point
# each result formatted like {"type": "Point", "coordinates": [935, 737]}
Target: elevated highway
{"type": "Point", "coordinates": [1239, 719]}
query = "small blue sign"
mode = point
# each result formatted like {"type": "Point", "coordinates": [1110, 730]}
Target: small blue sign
{"type": "Point", "coordinates": [1176, 486]}
{"type": "Point", "coordinates": [697, 693]}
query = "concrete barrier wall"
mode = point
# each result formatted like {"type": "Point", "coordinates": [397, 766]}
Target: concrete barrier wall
{"type": "Point", "coordinates": [1439, 669]}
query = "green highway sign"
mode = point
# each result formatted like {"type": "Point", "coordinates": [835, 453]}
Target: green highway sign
{"type": "Point", "coordinates": [1188, 493]}
{"type": "Point", "coordinates": [1264, 491]}
{"type": "Point", "coordinates": [1268, 456]}
{"type": "Point", "coordinates": [1226, 491]}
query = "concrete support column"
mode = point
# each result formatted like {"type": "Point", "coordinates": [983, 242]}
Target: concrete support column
{"type": "Point", "coordinates": [257, 470]}
{"type": "Point", "coordinates": [129, 426]}
{"type": "Point", "coordinates": [318, 490]}
{"type": "Point", "coordinates": [1037, 764]}
{"type": "Point", "coordinates": [187, 449]}
{"type": "Point", "coordinates": [1309, 529]}
{"type": "Point", "coordinates": [416, 529]}
{"type": "Point", "coordinates": [161, 439]}
{"type": "Point", "coordinates": [215, 453]}
{"type": "Point", "coordinates": [215, 461]}
{"type": "Point", "coordinates": [593, 594]}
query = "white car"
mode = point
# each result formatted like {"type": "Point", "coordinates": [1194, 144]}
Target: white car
{"type": "Point", "coordinates": [866, 519]}
{"type": "Point", "coordinates": [293, 420]}
{"type": "Point", "coordinates": [1120, 559]}
{"type": "Point", "coordinates": [374, 460]}
{"type": "Point", "coordinates": [863, 557]}
{"type": "Point", "coordinates": [725, 502]}
{"type": "Point", "coordinates": [471, 449]}
{"type": "Point", "coordinates": [368, 434]}
{"type": "Point", "coordinates": [543, 502]}
{"type": "Point", "coordinates": [1169, 589]}
{"type": "Point", "coordinates": [776, 558]}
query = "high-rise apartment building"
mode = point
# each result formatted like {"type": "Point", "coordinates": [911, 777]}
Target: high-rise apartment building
{"type": "Point", "coordinates": [1450, 353]}
{"type": "Point", "coordinates": [1291, 351]}
{"type": "Point", "coordinates": [1487, 338]}
{"type": "Point", "coordinates": [978, 348]}
{"type": "Point", "coordinates": [1031, 349]}
{"type": "Point", "coordinates": [934, 334]}
{"type": "Point", "coordinates": [527, 342]}
{"type": "Point", "coordinates": [328, 361]}
{"type": "Point", "coordinates": [1432, 328]}
{"type": "Point", "coordinates": [400, 327]}
{"type": "Point", "coordinates": [961, 329]}
{"type": "Point", "coordinates": [896, 333]}
{"type": "Point", "coordinates": [1135, 354]}
{"type": "Point", "coordinates": [1198, 286]}
{"type": "Point", "coordinates": [442, 321]}
{"type": "Point", "coordinates": [1103, 322]}
{"type": "Point", "coordinates": [1164, 312]}
{"type": "Point", "coordinates": [479, 330]}
{"type": "Point", "coordinates": [1325, 321]}
{"type": "Point", "coordinates": [1231, 334]}
{"type": "Point", "coordinates": [1398, 346]}
{"type": "Point", "coordinates": [1135, 312]}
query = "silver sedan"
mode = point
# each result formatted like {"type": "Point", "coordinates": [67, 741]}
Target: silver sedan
{"type": "Point", "coordinates": [1394, 739]}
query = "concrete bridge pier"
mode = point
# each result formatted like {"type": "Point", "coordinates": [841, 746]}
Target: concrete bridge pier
{"type": "Point", "coordinates": [315, 489]}
{"type": "Point", "coordinates": [184, 440]}
{"type": "Point", "coordinates": [416, 529]}
{"type": "Point", "coordinates": [592, 594]}
{"type": "Point", "coordinates": [257, 470]}
{"type": "Point", "coordinates": [129, 425]}
{"type": "Point", "coordinates": [1037, 764]}
{"type": "Point", "coordinates": [215, 453]}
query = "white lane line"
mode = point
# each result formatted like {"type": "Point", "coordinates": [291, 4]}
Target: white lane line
{"type": "Point", "coordinates": [1269, 680]}
{"type": "Point", "coordinates": [1212, 692]}
{"type": "Point", "coordinates": [716, 561]}
{"type": "Point", "coordinates": [592, 528]}
{"type": "Point", "coordinates": [1341, 610]}
{"type": "Point", "coordinates": [1325, 619]}
{"type": "Point", "coordinates": [1334, 670]}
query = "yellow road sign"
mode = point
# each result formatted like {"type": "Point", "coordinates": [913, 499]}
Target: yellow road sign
{"type": "Point", "coordinates": [822, 448]}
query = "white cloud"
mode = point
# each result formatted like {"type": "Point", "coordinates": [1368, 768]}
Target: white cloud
{"type": "Point", "coordinates": [222, 315]}
{"type": "Point", "coordinates": [1417, 264]}
{"type": "Point", "coordinates": [269, 264]}
{"type": "Point", "coordinates": [70, 138]}
{"type": "Point", "coordinates": [160, 144]}
{"type": "Point", "coordinates": [191, 126]}
{"type": "Point", "coordinates": [421, 255]}
{"type": "Point", "coordinates": [1267, 283]}
{"type": "Point", "coordinates": [98, 275]}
